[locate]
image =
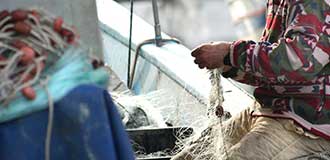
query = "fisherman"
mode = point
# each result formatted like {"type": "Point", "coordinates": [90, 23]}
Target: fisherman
{"type": "Point", "coordinates": [290, 68]}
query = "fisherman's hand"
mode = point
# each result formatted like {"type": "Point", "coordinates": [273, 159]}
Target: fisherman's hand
{"type": "Point", "coordinates": [211, 55]}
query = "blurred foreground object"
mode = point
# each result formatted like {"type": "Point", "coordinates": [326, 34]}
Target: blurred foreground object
{"type": "Point", "coordinates": [36, 47]}
{"type": "Point", "coordinates": [86, 126]}
{"type": "Point", "coordinates": [43, 64]}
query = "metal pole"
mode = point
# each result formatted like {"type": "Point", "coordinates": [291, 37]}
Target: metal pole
{"type": "Point", "coordinates": [158, 32]}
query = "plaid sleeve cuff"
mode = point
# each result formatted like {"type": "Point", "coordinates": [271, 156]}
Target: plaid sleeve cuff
{"type": "Point", "coordinates": [234, 54]}
{"type": "Point", "coordinates": [232, 60]}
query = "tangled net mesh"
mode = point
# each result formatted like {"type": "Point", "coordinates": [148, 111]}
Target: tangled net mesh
{"type": "Point", "coordinates": [209, 143]}
{"type": "Point", "coordinates": [30, 41]}
{"type": "Point", "coordinates": [214, 142]}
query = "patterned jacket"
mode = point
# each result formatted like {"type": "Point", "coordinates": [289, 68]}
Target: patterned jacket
{"type": "Point", "coordinates": [290, 65]}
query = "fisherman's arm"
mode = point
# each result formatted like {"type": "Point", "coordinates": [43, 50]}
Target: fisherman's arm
{"type": "Point", "coordinates": [211, 55]}
{"type": "Point", "coordinates": [299, 56]}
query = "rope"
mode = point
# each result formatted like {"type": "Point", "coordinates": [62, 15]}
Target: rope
{"type": "Point", "coordinates": [28, 41]}
{"type": "Point", "coordinates": [215, 109]}
{"type": "Point", "coordinates": [130, 43]}
{"type": "Point", "coordinates": [50, 120]}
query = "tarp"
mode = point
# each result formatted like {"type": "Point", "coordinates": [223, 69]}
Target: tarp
{"type": "Point", "coordinates": [86, 126]}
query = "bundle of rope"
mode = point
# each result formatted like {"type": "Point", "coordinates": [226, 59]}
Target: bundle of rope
{"type": "Point", "coordinates": [216, 112]}
{"type": "Point", "coordinates": [26, 40]}
{"type": "Point", "coordinates": [34, 46]}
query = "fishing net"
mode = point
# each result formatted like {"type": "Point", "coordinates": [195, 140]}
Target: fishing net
{"type": "Point", "coordinates": [139, 111]}
{"type": "Point", "coordinates": [158, 110]}
{"type": "Point", "coordinates": [38, 48]}
{"type": "Point", "coordinates": [206, 144]}
{"type": "Point", "coordinates": [161, 107]}
{"type": "Point", "coordinates": [247, 137]}
{"type": "Point", "coordinates": [27, 38]}
{"type": "Point", "coordinates": [41, 60]}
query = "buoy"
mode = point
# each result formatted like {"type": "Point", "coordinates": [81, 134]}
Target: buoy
{"type": "Point", "coordinates": [28, 55]}
{"type": "Point", "coordinates": [35, 14]}
{"type": "Point", "coordinates": [19, 15]}
{"type": "Point", "coordinates": [69, 35]}
{"type": "Point", "coordinates": [22, 28]}
{"type": "Point", "coordinates": [4, 14]}
{"type": "Point", "coordinates": [58, 22]}
{"type": "Point", "coordinates": [29, 93]}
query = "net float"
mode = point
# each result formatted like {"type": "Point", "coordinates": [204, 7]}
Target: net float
{"type": "Point", "coordinates": [19, 15]}
{"type": "Point", "coordinates": [28, 55]}
{"type": "Point", "coordinates": [4, 14]}
{"type": "Point", "coordinates": [58, 22]}
{"type": "Point", "coordinates": [22, 27]}
{"type": "Point", "coordinates": [29, 93]}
